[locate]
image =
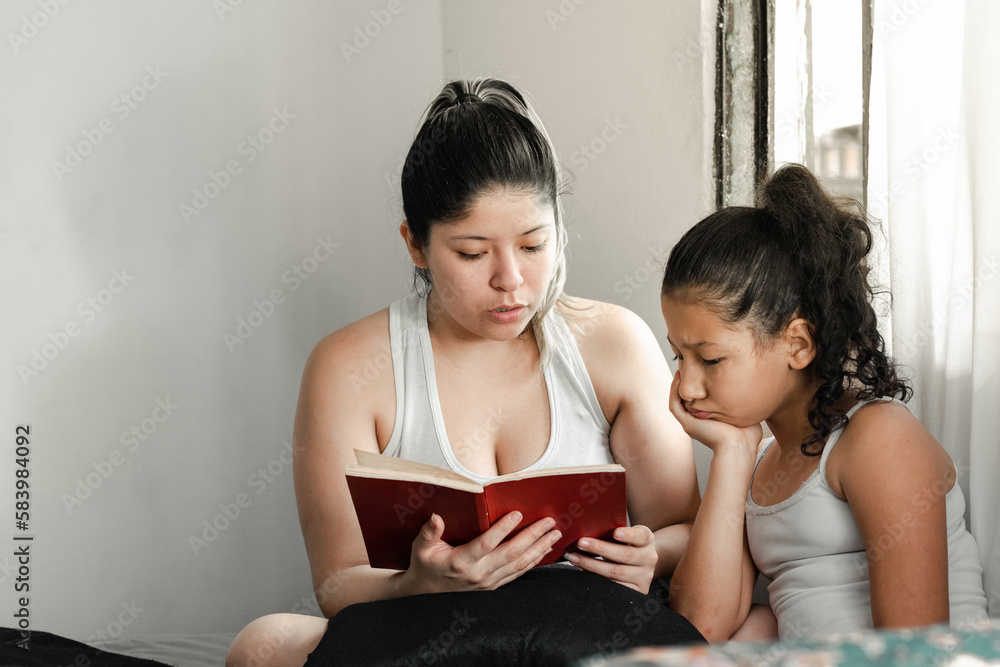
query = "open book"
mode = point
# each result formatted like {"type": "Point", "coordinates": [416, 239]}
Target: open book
{"type": "Point", "coordinates": [393, 498]}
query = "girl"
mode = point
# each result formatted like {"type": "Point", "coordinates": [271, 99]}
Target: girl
{"type": "Point", "coordinates": [493, 371]}
{"type": "Point", "coordinates": [852, 509]}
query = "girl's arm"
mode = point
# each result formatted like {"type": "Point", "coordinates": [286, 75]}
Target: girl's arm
{"type": "Point", "coordinates": [714, 581]}
{"type": "Point", "coordinates": [895, 475]}
{"type": "Point", "coordinates": [632, 381]}
{"type": "Point", "coordinates": [341, 409]}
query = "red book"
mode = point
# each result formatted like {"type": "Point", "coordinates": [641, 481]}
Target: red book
{"type": "Point", "coordinates": [393, 498]}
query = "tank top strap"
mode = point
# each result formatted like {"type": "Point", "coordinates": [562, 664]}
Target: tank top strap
{"type": "Point", "coordinates": [761, 450]}
{"type": "Point", "coordinates": [834, 437]}
{"type": "Point", "coordinates": [568, 368]}
{"type": "Point", "coordinates": [404, 314]}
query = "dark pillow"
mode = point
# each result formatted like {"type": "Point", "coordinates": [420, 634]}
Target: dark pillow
{"type": "Point", "coordinates": [549, 616]}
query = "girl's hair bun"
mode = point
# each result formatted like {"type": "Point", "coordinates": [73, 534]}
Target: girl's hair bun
{"type": "Point", "coordinates": [799, 253]}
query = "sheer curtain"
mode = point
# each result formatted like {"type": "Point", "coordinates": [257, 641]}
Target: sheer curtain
{"type": "Point", "coordinates": [934, 173]}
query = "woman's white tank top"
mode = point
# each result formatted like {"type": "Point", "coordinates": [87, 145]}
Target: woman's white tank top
{"type": "Point", "coordinates": [578, 430]}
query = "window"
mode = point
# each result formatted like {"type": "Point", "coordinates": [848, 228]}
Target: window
{"type": "Point", "coordinates": [790, 88]}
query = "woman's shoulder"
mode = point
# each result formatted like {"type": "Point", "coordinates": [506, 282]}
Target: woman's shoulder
{"type": "Point", "coordinates": [603, 325]}
{"type": "Point", "coordinates": [617, 346]}
{"type": "Point", "coordinates": [354, 347]}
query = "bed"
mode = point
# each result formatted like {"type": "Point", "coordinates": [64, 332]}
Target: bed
{"type": "Point", "coordinates": [43, 648]}
{"type": "Point", "coordinates": [936, 645]}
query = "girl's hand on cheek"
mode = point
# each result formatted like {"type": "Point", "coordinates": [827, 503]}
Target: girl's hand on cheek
{"type": "Point", "coordinates": [715, 435]}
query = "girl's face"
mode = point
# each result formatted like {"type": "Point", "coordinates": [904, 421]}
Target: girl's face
{"type": "Point", "coordinates": [492, 269]}
{"type": "Point", "coordinates": [725, 374]}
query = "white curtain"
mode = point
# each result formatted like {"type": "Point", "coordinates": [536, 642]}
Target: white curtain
{"type": "Point", "coordinates": [934, 172]}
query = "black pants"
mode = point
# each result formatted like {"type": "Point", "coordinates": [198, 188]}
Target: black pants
{"type": "Point", "coordinates": [548, 616]}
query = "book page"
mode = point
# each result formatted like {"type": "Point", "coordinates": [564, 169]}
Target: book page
{"type": "Point", "coordinates": [552, 472]}
{"type": "Point", "coordinates": [459, 483]}
{"type": "Point", "coordinates": [368, 460]}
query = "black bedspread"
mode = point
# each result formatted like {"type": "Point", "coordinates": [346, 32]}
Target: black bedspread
{"type": "Point", "coordinates": [43, 649]}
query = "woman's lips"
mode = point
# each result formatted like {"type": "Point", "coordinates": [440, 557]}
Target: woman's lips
{"type": "Point", "coordinates": [507, 316]}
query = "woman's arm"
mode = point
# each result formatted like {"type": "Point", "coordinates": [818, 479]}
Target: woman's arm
{"type": "Point", "coordinates": [894, 475]}
{"type": "Point", "coordinates": [342, 409]}
{"type": "Point", "coordinates": [632, 381]}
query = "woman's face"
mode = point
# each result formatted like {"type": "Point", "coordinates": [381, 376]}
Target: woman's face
{"type": "Point", "coordinates": [492, 269]}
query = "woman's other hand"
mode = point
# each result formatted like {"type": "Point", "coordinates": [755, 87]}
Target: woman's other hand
{"type": "Point", "coordinates": [630, 560]}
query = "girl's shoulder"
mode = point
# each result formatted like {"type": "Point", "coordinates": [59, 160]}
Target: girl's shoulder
{"type": "Point", "coordinates": [884, 440]}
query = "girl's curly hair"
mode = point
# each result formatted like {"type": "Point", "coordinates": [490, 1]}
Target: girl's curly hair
{"type": "Point", "coordinates": [798, 253]}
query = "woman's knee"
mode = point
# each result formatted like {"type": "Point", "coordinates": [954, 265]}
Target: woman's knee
{"type": "Point", "coordinates": [276, 639]}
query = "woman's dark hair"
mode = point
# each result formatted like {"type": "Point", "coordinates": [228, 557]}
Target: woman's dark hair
{"type": "Point", "coordinates": [799, 253]}
{"type": "Point", "coordinates": [479, 137]}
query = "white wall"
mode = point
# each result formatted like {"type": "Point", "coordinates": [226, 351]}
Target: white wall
{"type": "Point", "coordinates": [125, 536]}
{"type": "Point", "coordinates": [621, 90]}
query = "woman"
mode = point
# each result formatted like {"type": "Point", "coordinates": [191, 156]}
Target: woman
{"type": "Point", "coordinates": [494, 371]}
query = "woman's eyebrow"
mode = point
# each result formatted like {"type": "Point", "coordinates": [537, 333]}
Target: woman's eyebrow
{"type": "Point", "coordinates": [474, 237]}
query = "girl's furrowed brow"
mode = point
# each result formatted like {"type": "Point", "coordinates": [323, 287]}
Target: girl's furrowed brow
{"type": "Point", "coordinates": [694, 346]}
